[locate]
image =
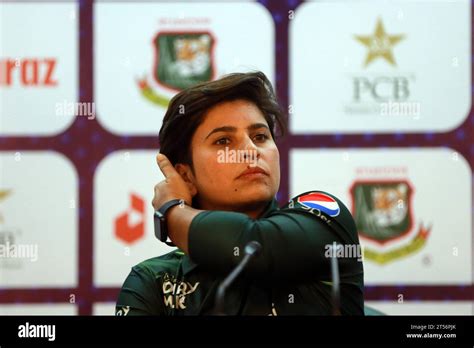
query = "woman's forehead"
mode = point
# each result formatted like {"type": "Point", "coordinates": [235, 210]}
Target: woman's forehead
{"type": "Point", "coordinates": [238, 113]}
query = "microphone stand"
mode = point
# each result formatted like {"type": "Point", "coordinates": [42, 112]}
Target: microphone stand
{"type": "Point", "coordinates": [252, 249]}
{"type": "Point", "coordinates": [336, 295]}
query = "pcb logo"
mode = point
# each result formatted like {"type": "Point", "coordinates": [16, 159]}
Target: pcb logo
{"type": "Point", "coordinates": [182, 60]}
{"type": "Point", "coordinates": [383, 212]}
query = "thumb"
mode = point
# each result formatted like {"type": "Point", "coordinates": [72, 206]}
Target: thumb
{"type": "Point", "coordinates": [165, 166]}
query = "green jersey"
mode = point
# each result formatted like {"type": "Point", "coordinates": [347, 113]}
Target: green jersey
{"type": "Point", "coordinates": [290, 276]}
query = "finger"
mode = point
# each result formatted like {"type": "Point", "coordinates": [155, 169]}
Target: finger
{"type": "Point", "coordinates": [156, 198]}
{"type": "Point", "coordinates": [165, 166]}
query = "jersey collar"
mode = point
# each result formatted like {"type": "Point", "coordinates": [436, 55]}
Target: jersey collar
{"type": "Point", "coordinates": [271, 206]}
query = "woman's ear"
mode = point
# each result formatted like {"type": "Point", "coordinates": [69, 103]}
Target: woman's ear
{"type": "Point", "coordinates": [184, 170]}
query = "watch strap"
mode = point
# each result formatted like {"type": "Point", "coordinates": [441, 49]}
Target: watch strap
{"type": "Point", "coordinates": [163, 210]}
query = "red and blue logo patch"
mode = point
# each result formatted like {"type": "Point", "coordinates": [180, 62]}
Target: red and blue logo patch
{"type": "Point", "coordinates": [320, 201]}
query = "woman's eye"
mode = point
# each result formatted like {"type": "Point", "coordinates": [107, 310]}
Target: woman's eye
{"type": "Point", "coordinates": [261, 137]}
{"type": "Point", "coordinates": [222, 141]}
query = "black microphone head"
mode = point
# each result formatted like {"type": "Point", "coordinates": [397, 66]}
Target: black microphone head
{"type": "Point", "coordinates": [253, 247]}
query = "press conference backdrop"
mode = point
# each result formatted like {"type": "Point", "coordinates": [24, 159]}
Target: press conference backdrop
{"type": "Point", "coordinates": [379, 101]}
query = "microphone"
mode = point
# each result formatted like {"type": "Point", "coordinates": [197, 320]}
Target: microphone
{"type": "Point", "coordinates": [336, 295]}
{"type": "Point", "coordinates": [251, 250]}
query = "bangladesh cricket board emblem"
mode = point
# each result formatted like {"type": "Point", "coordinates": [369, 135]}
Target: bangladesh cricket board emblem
{"type": "Point", "coordinates": [182, 60]}
{"type": "Point", "coordinates": [383, 213]}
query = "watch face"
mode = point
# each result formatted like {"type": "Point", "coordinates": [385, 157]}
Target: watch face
{"type": "Point", "coordinates": [158, 220]}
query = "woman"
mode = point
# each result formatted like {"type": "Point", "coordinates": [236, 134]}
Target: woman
{"type": "Point", "coordinates": [221, 164]}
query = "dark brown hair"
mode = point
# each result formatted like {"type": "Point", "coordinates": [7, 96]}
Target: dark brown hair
{"type": "Point", "coordinates": [187, 109]}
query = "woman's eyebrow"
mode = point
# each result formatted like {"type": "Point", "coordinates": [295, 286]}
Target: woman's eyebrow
{"type": "Point", "coordinates": [222, 129]}
{"type": "Point", "coordinates": [257, 126]}
{"type": "Point", "coordinates": [234, 129]}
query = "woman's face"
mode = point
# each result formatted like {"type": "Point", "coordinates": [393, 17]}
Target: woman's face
{"type": "Point", "coordinates": [236, 162]}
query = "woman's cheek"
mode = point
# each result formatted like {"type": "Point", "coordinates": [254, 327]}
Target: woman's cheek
{"type": "Point", "coordinates": [212, 171]}
{"type": "Point", "coordinates": [274, 159]}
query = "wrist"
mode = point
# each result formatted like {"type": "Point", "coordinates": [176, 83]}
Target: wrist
{"type": "Point", "coordinates": [179, 221]}
{"type": "Point", "coordinates": [160, 219]}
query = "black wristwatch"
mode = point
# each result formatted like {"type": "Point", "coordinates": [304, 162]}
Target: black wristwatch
{"type": "Point", "coordinates": [159, 219]}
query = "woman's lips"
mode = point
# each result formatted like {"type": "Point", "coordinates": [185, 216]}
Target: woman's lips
{"type": "Point", "coordinates": [253, 173]}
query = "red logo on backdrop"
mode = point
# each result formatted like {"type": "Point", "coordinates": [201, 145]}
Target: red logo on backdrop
{"type": "Point", "coordinates": [130, 225]}
{"type": "Point", "coordinates": [28, 72]}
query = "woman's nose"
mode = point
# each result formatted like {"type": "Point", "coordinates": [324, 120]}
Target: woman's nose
{"type": "Point", "coordinates": [251, 151]}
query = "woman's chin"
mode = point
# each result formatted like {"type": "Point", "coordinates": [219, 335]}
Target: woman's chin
{"type": "Point", "coordinates": [256, 196]}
